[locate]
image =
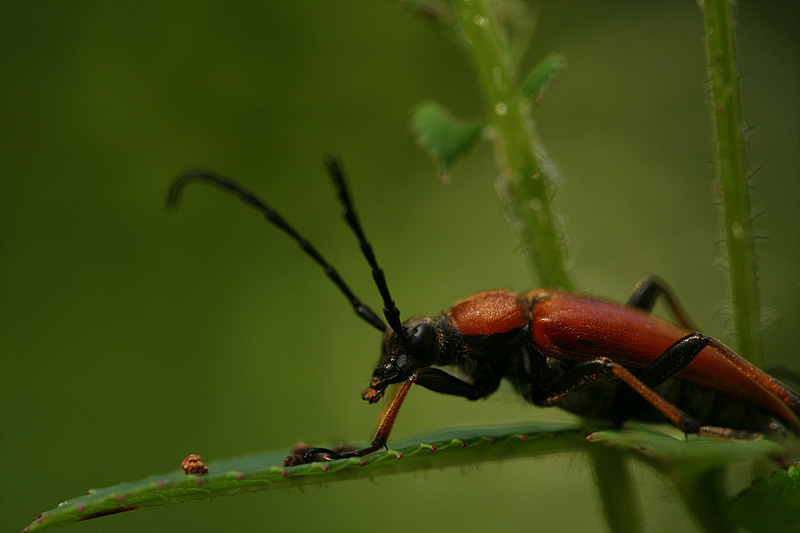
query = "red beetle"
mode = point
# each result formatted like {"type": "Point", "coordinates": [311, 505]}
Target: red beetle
{"type": "Point", "coordinates": [586, 355]}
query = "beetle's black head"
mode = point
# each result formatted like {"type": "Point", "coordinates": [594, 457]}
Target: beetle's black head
{"type": "Point", "coordinates": [402, 354]}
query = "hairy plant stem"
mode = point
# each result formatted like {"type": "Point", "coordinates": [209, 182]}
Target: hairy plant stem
{"type": "Point", "coordinates": [527, 177]}
{"type": "Point", "coordinates": [526, 181]}
{"type": "Point", "coordinates": [733, 178]}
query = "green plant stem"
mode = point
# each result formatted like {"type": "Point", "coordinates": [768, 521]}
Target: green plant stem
{"type": "Point", "coordinates": [526, 181]}
{"type": "Point", "coordinates": [620, 502]}
{"type": "Point", "coordinates": [704, 496]}
{"type": "Point", "coordinates": [526, 176]}
{"type": "Point", "coordinates": [733, 178]}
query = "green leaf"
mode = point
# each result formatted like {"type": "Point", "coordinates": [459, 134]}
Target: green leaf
{"type": "Point", "coordinates": [695, 456]}
{"type": "Point", "coordinates": [542, 75]}
{"type": "Point", "coordinates": [444, 136]}
{"type": "Point", "coordinates": [675, 457]}
{"type": "Point", "coordinates": [263, 471]}
{"type": "Point", "coordinates": [696, 468]}
{"type": "Point", "coordinates": [770, 505]}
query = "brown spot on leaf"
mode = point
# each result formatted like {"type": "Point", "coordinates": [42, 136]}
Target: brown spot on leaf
{"type": "Point", "coordinates": [194, 465]}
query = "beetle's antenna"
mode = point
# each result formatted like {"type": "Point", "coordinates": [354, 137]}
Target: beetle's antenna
{"type": "Point", "coordinates": [390, 310]}
{"type": "Point", "coordinates": [273, 217]}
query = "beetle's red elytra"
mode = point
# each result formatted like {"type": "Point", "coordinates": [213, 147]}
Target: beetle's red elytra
{"type": "Point", "coordinates": [583, 354]}
{"type": "Point", "coordinates": [578, 326]}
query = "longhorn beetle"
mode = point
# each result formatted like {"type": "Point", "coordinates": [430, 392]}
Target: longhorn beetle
{"type": "Point", "coordinates": [586, 355]}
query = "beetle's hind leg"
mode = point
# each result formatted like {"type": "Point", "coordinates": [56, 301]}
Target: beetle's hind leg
{"type": "Point", "coordinates": [588, 372]}
{"type": "Point", "coordinates": [647, 291]}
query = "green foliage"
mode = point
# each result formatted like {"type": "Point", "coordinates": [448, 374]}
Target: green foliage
{"type": "Point", "coordinates": [772, 500]}
{"type": "Point", "coordinates": [733, 178]}
{"type": "Point", "coordinates": [675, 458]}
{"type": "Point", "coordinates": [770, 505]}
{"type": "Point", "coordinates": [264, 471]}
{"type": "Point", "coordinates": [541, 76]}
{"type": "Point", "coordinates": [448, 138]}
{"type": "Point", "coordinates": [527, 177]}
{"type": "Point", "coordinates": [445, 137]}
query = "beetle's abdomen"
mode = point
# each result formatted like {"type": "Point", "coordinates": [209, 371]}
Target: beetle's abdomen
{"type": "Point", "coordinates": [487, 313]}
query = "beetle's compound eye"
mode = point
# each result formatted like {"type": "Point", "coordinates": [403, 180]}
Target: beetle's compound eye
{"type": "Point", "coordinates": [421, 340]}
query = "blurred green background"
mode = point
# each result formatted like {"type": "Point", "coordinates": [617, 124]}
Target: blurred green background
{"type": "Point", "coordinates": [132, 336]}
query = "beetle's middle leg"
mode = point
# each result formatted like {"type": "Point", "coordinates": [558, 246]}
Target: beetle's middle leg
{"type": "Point", "coordinates": [589, 372]}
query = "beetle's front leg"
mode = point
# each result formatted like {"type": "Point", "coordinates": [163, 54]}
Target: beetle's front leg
{"type": "Point", "coordinates": [431, 378]}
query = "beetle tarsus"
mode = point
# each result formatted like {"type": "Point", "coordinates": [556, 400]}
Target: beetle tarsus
{"type": "Point", "coordinates": [728, 433]}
